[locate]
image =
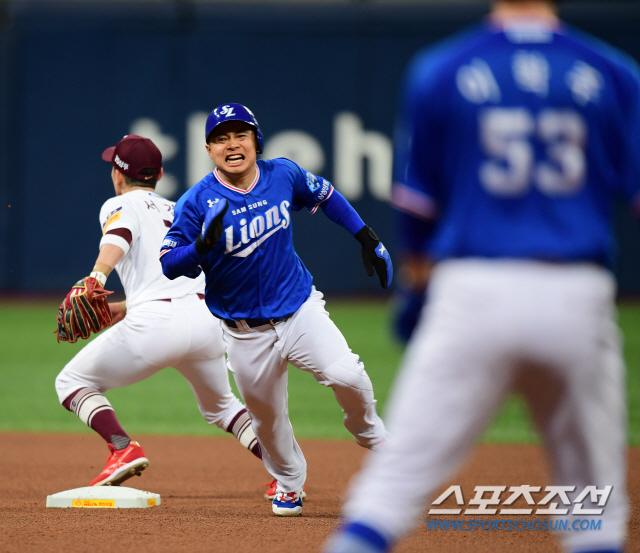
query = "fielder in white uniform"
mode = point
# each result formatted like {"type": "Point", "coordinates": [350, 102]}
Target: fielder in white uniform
{"type": "Point", "coordinates": [261, 290]}
{"type": "Point", "coordinates": [167, 322]}
{"type": "Point", "coordinates": [513, 140]}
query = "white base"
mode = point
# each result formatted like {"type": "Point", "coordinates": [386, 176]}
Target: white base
{"type": "Point", "coordinates": [104, 497]}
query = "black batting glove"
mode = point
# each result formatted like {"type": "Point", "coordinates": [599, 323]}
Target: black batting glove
{"type": "Point", "coordinates": [211, 228]}
{"type": "Point", "coordinates": [375, 256]}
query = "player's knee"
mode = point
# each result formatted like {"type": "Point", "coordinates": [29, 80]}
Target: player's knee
{"type": "Point", "coordinates": [213, 418]}
{"type": "Point", "coordinates": [63, 388]}
{"type": "Point", "coordinates": [68, 382]}
{"type": "Point", "coordinates": [222, 412]}
{"type": "Point", "coordinates": [347, 372]}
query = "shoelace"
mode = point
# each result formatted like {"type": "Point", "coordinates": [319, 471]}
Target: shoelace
{"type": "Point", "coordinates": [287, 497]}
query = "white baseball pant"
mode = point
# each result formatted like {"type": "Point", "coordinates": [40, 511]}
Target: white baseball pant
{"type": "Point", "coordinates": [154, 335]}
{"type": "Point", "coordinates": [485, 320]}
{"type": "Point", "coordinates": [310, 341]}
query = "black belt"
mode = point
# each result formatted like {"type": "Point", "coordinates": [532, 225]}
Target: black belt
{"type": "Point", "coordinates": [252, 323]}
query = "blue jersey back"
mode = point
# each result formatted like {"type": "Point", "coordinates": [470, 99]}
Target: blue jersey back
{"type": "Point", "coordinates": [253, 271]}
{"type": "Point", "coordinates": [516, 139]}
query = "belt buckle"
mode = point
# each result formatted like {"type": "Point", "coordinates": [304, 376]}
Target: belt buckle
{"type": "Point", "coordinates": [280, 320]}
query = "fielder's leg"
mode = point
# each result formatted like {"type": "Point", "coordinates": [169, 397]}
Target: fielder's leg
{"type": "Point", "coordinates": [95, 410]}
{"type": "Point", "coordinates": [127, 458]}
{"type": "Point", "coordinates": [210, 384]}
{"type": "Point", "coordinates": [129, 352]}
{"type": "Point", "coordinates": [80, 386]}
{"type": "Point", "coordinates": [204, 366]}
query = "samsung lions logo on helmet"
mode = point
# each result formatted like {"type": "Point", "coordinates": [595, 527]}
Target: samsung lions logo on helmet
{"type": "Point", "coordinates": [227, 111]}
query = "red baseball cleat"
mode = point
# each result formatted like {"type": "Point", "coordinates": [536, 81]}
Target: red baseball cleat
{"type": "Point", "coordinates": [122, 464]}
{"type": "Point", "coordinates": [270, 494]}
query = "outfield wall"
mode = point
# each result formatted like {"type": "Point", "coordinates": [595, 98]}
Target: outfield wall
{"type": "Point", "coordinates": [322, 80]}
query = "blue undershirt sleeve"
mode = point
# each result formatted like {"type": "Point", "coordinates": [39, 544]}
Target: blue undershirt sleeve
{"type": "Point", "coordinates": [181, 261]}
{"type": "Point", "coordinates": [340, 211]}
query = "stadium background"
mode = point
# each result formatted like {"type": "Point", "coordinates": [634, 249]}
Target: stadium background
{"type": "Point", "coordinates": [322, 78]}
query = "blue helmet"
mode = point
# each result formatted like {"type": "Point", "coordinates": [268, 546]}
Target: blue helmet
{"type": "Point", "coordinates": [233, 112]}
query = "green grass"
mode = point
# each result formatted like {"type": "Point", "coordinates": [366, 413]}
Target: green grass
{"type": "Point", "coordinates": [31, 358]}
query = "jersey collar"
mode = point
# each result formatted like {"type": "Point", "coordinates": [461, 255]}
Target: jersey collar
{"type": "Point", "coordinates": [230, 187]}
{"type": "Point", "coordinates": [520, 23]}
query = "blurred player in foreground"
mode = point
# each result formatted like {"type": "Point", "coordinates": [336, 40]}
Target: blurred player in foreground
{"type": "Point", "coordinates": [161, 324]}
{"type": "Point", "coordinates": [259, 288]}
{"type": "Point", "coordinates": [513, 140]}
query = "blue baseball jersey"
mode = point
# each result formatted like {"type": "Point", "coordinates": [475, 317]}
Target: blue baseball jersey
{"type": "Point", "coordinates": [253, 271]}
{"type": "Point", "coordinates": [515, 139]}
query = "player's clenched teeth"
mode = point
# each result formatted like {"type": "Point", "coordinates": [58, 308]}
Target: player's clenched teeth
{"type": "Point", "coordinates": [235, 157]}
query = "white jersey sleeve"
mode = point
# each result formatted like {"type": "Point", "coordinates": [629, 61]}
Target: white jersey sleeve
{"type": "Point", "coordinates": [119, 227]}
{"type": "Point", "coordinates": [137, 222]}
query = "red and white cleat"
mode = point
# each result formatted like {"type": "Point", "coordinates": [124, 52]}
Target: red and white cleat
{"type": "Point", "coordinates": [122, 464]}
{"type": "Point", "coordinates": [270, 494]}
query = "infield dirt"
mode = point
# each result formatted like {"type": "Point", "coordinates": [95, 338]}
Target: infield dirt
{"type": "Point", "coordinates": [212, 500]}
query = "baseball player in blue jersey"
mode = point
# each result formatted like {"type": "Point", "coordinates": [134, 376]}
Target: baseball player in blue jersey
{"type": "Point", "coordinates": [513, 139]}
{"type": "Point", "coordinates": [235, 225]}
